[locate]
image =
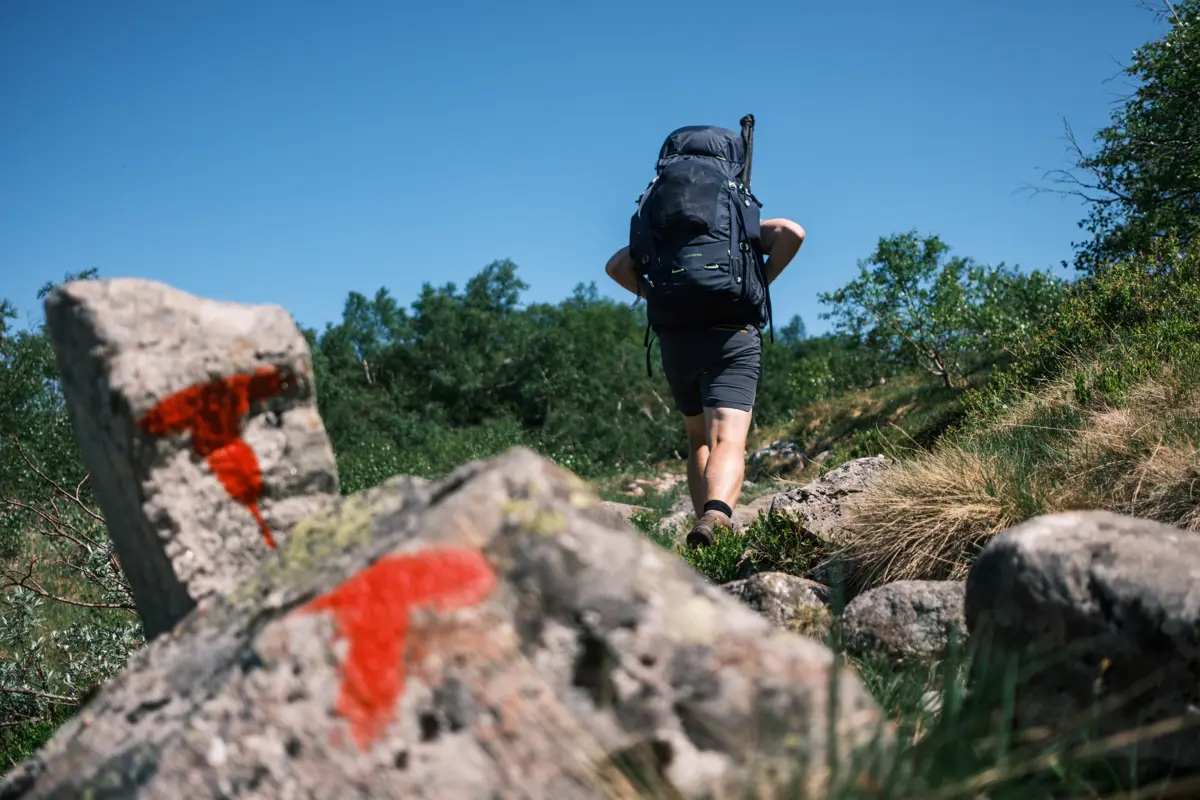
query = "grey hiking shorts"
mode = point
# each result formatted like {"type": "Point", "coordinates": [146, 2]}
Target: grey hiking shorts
{"type": "Point", "coordinates": [711, 368]}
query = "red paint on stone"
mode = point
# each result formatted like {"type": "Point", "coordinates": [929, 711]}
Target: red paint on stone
{"type": "Point", "coordinates": [372, 609]}
{"type": "Point", "coordinates": [212, 413]}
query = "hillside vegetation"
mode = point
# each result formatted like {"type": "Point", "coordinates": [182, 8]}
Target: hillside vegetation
{"type": "Point", "coordinates": [1103, 412]}
{"type": "Point", "coordinates": [999, 393]}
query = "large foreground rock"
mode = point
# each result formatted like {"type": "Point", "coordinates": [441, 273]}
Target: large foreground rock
{"type": "Point", "coordinates": [490, 635]}
{"type": "Point", "coordinates": [1102, 607]}
{"type": "Point", "coordinates": [198, 423]}
{"type": "Point", "coordinates": [905, 620]}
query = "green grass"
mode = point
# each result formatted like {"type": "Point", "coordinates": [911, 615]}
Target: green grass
{"type": "Point", "coordinates": [906, 412]}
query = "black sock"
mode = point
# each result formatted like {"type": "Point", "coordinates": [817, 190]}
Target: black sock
{"type": "Point", "coordinates": [717, 505]}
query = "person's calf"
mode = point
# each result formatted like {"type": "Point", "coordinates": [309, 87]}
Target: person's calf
{"type": "Point", "coordinates": [725, 471]}
{"type": "Point", "coordinates": [698, 453]}
{"type": "Point", "coordinates": [697, 485]}
{"type": "Point", "coordinates": [726, 466]}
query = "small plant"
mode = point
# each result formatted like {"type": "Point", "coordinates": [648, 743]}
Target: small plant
{"type": "Point", "coordinates": [778, 543]}
{"type": "Point", "coordinates": [719, 561]}
{"type": "Point", "coordinates": [647, 521]}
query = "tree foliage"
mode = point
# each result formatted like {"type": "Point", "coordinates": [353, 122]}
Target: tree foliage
{"type": "Point", "coordinates": [1143, 179]}
{"type": "Point", "coordinates": [1112, 329]}
{"type": "Point", "coordinates": [67, 620]}
{"type": "Point", "coordinates": [916, 306]}
{"type": "Point", "coordinates": [465, 373]}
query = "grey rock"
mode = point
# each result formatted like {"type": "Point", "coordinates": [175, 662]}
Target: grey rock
{"type": "Point", "coordinates": [905, 620]}
{"type": "Point", "coordinates": [125, 345]}
{"type": "Point", "coordinates": [622, 513]}
{"type": "Point", "coordinates": [569, 646]}
{"type": "Point", "coordinates": [1102, 607]}
{"type": "Point", "coordinates": [786, 600]}
{"type": "Point", "coordinates": [745, 513]}
{"type": "Point", "coordinates": [833, 570]}
{"type": "Point", "coordinates": [818, 507]}
{"type": "Point", "coordinates": [816, 510]}
{"type": "Point", "coordinates": [677, 517]}
{"type": "Point", "coordinates": [659, 485]}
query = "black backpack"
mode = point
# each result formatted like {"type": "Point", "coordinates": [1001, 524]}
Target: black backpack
{"type": "Point", "coordinates": [695, 235]}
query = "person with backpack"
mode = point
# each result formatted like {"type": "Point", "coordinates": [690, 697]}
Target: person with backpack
{"type": "Point", "coordinates": [696, 254]}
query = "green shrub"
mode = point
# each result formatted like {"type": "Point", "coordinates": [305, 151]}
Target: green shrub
{"type": "Point", "coordinates": [1131, 316]}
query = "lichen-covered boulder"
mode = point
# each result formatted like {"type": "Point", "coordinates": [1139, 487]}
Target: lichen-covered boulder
{"type": "Point", "coordinates": [488, 635]}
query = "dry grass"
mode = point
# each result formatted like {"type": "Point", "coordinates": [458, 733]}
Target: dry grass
{"type": "Point", "coordinates": [811, 621]}
{"type": "Point", "coordinates": [925, 518]}
{"type": "Point", "coordinates": [1134, 452]}
{"type": "Point", "coordinates": [1142, 459]}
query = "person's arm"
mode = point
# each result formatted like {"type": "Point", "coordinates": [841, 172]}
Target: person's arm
{"type": "Point", "coordinates": [622, 270]}
{"type": "Point", "coordinates": [781, 240]}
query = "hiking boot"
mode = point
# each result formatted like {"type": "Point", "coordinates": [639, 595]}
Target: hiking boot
{"type": "Point", "coordinates": [703, 532]}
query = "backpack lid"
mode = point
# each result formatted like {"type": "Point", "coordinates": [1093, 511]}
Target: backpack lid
{"type": "Point", "coordinates": [705, 140]}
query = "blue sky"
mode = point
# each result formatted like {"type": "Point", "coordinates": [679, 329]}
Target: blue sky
{"type": "Point", "coordinates": [291, 151]}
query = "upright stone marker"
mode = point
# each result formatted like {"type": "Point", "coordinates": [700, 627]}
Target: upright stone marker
{"type": "Point", "coordinates": [198, 422]}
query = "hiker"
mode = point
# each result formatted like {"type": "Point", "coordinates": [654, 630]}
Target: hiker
{"type": "Point", "coordinates": [696, 254]}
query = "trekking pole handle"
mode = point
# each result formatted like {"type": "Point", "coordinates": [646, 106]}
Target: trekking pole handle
{"type": "Point", "coordinates": [748, 137]}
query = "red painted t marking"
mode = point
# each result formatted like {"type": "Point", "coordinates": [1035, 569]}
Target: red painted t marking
{"type": "Point", "coordinates": [212, 413]}
{"type": "Point", "coordinates": [371, 610]}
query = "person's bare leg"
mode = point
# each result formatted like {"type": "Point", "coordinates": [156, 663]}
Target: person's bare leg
{"type": "Point", "coordinates": [725, 434]}
{"type": "Point", "coordinates": [726, 466]}
{"type": "Point", "coordinates": [698, 453]}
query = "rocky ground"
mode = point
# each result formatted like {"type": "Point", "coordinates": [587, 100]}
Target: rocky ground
{"type": "Point", "coordinates": [504, 633]}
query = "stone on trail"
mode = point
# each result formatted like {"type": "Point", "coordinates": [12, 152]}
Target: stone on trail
{"type": "Point", "coordinates": [905, 620]}
{"type": "Point", "coordinates": [1103, 608]}
{"type": "Point", "coordinates": [787, 600]}
{"type": "Point", "coordinates": [622, 513]}
{"type": "Point", "coordinates": [488, 635]}
{"type": "Point", "coordinates": [198, 423]}
{"type": "Point", "coordinates": [818, 507]}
